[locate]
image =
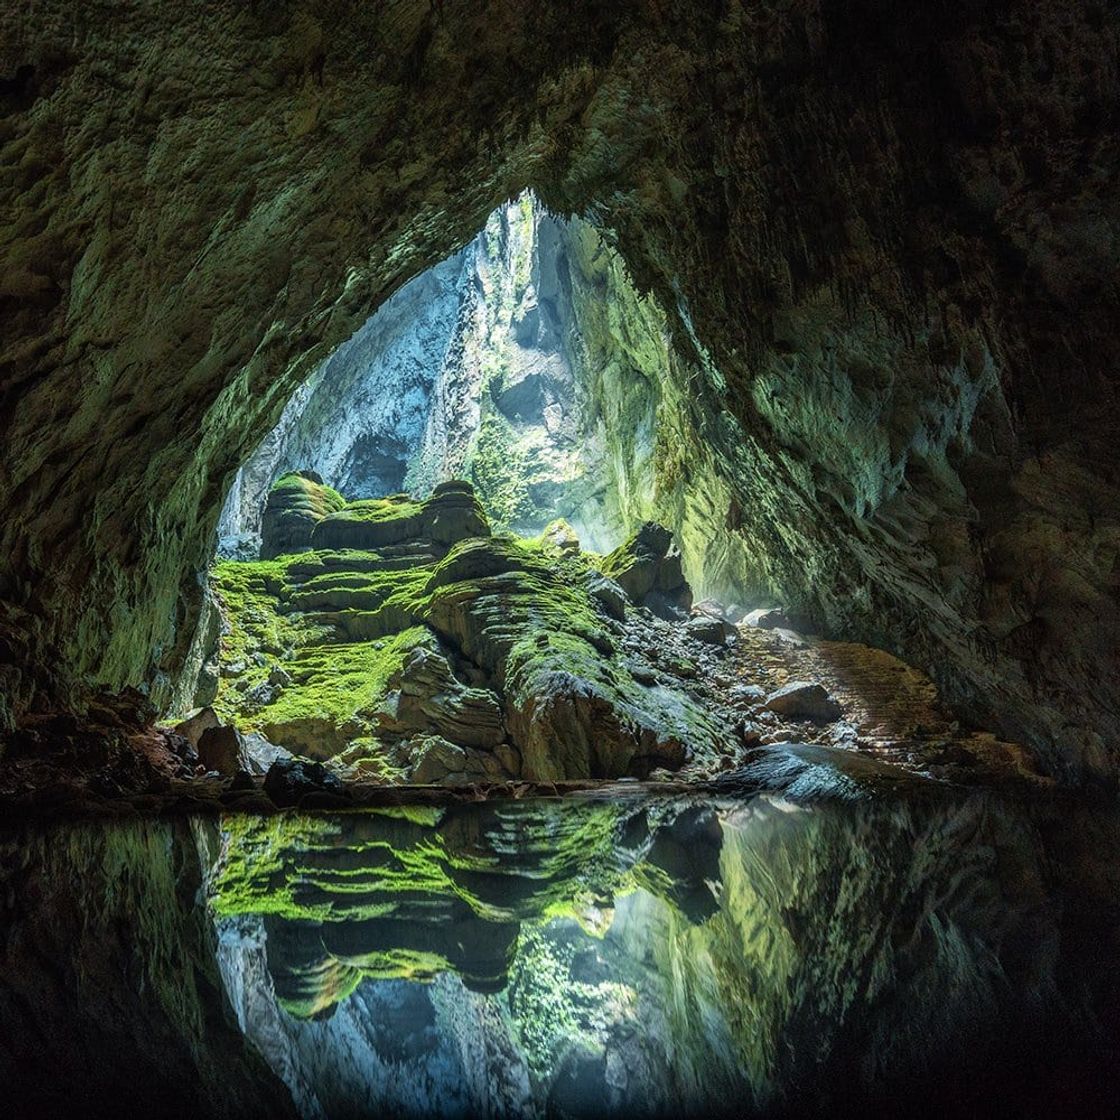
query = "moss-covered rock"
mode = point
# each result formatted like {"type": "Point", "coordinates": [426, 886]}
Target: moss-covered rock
{"type": "Point", "coordinates": [648, 568]}
{"type": "Point", "coordinates": [491, 658]}
{"type": "Point", "coordinates": [451, 514]}
{"type": "Point", "coordinates": [410, 893]}
{"type": "Point", "coordinates": [297, 502]}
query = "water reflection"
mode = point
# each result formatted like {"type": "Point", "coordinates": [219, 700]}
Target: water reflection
{"type": "Point", "coordinates": [676, 957]}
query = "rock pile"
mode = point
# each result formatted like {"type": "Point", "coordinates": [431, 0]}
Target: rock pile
{"type": "Point", "coordinates": [400, 640]}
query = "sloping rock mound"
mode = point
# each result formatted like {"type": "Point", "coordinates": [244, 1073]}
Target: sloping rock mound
{"type": "Point", "coordinates": [648, 568]}
{"type": "Point", "coordinates": [451, 514]}
{"type": "Point", "coordinates": [412, 644]}
{"type": "Point", "coordinates": [297, 502]}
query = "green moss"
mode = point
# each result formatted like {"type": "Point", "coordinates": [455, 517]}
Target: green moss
{"type": "Point", "coordinates": [335, 691]}
{"type": "Point", "coordinates": [297, 492]}
{"type": "Point", "coordinates": [256, 633]}
{"type": "Point", "coordinates": [372, 864]}
{"type": "Point", "coordinates": [499, 471]}
{"type": "Point", "coordinates": [374, 510]}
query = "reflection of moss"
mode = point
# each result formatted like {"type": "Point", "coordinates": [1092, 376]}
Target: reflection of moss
{"type": "Point", "coordinates": [367, 865]}
{"type": "Point", "coordinates": [552, 1010]}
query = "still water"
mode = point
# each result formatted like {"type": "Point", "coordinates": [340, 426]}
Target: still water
{"type": "Point", "coordinates": [944, 955]}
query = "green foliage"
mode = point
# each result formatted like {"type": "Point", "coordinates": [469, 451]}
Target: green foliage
{"type": "Point", "coordinates": [554, 1011]}
{"type": "Point", "coordinates": [498, 471]}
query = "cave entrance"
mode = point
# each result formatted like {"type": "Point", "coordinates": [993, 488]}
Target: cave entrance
{"type": "Point", "coordinates": [427, 571]}
{"type": "Point", "coordinates": [526, 363]}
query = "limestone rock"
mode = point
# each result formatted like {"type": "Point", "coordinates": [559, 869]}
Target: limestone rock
{"type": "Point", "coordinates": [925, 428]}
{"type": "Point", "coordinates": [747, 694]}
{"type": "Point", "coordinates": [711, 631]}
{"type": "Point", "coordinates": [223, 749]}
{"type": "Point", "coordinates": [560, 535]}
{"type": "Point", "coordinates": [297, 502]}
{"type": "Point", "coordinates": [437, 761]}
{"type": "Point", "coordinates": [769, 618]}
{"type": "Point", "coordinates": [609, 595]}
{"type": "Point", "coordinates": [451, 514]}
{"type": "Point", "coordinates": [288, 781]}
{"type": "Point", "coordinates": [804, 700]}
{"type": "Point", "coordinates": [648, 568]}
{"type": "Point", "coordinates": [430, 698]}
{"type": "Point", "coordinates": [196, 724]}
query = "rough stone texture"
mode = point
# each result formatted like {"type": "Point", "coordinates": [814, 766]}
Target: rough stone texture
{"type": "Point", "coordinates": [223, 750]}
{"type": "Point", "coordinates": [885, 236]}
{"type": "Point", "coordinates": [296, 503]}
{"type": "Point", "coordinates": [528, 362]}
{"type": "Point", "coordinates": [648, 568]}
{"type": "Point", "coordinates": [804, 700]}
{"type": "Point", "coordinates": [197, 724]}
{"type": "Point", "coordinates": [397, 658]}
{"type": "Point", "coordinates": [451, 514]}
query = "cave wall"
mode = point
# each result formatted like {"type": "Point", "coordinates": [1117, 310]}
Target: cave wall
{"type": "Point", "coordinates": [361, 417]}
{"type": "Point", "coordinates": [885, 235]}
{"type": "Point", "coordinates": [529, 363]}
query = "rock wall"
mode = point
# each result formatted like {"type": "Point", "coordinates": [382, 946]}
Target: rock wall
{"type": "Point", "coordinates": [361, 416]}
{"type": "Point", "coordinates": [884, 235]}
{"type": "Point", "coordinates": [527, 362]}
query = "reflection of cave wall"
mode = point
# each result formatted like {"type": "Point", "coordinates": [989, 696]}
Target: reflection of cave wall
{"type": "Point", "coordinates": [885, 235]}
{"type": "Point", "coordinates": [759, 956]}
{"type": "Point", "coordinates": [111, 1004]}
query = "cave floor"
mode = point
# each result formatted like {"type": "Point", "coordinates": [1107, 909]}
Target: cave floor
{"type": "Point", "coordinates": [893, 733]}
{"type": "Point", "coordinates": [891, 711]}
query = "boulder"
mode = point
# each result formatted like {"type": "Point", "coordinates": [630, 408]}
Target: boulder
{"type": "Point", "coordinates": [648, 568]}
{"type": "Point", "coordinates": [560, 535]}
{"type": "Point", "coordinates": [288, 781]}
{"type": "Point", "coordinates": [708, 629]}
{"type": "Point", "coordinates": [608, 595]}
{"type": "Point", "coordinates": [438, 761]}
{"type": "Point", "coordinates": [747, 694]}
{"type": "Point", "coordinates": [769, 618]}
{"type": "Point", "coordinates": [428, 697]}
{"type": "Point", "coordinates": [196, 724]}
{"type": "Point", "coordinates": [223, 749]}
{"type": "Point", "coordinates": [804, 700]}
{"type": "Point", "coordinates": [296, 503]}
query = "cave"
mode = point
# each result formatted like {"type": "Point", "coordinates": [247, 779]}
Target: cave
{"type": "Point", "coordinates": [559, 559]}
